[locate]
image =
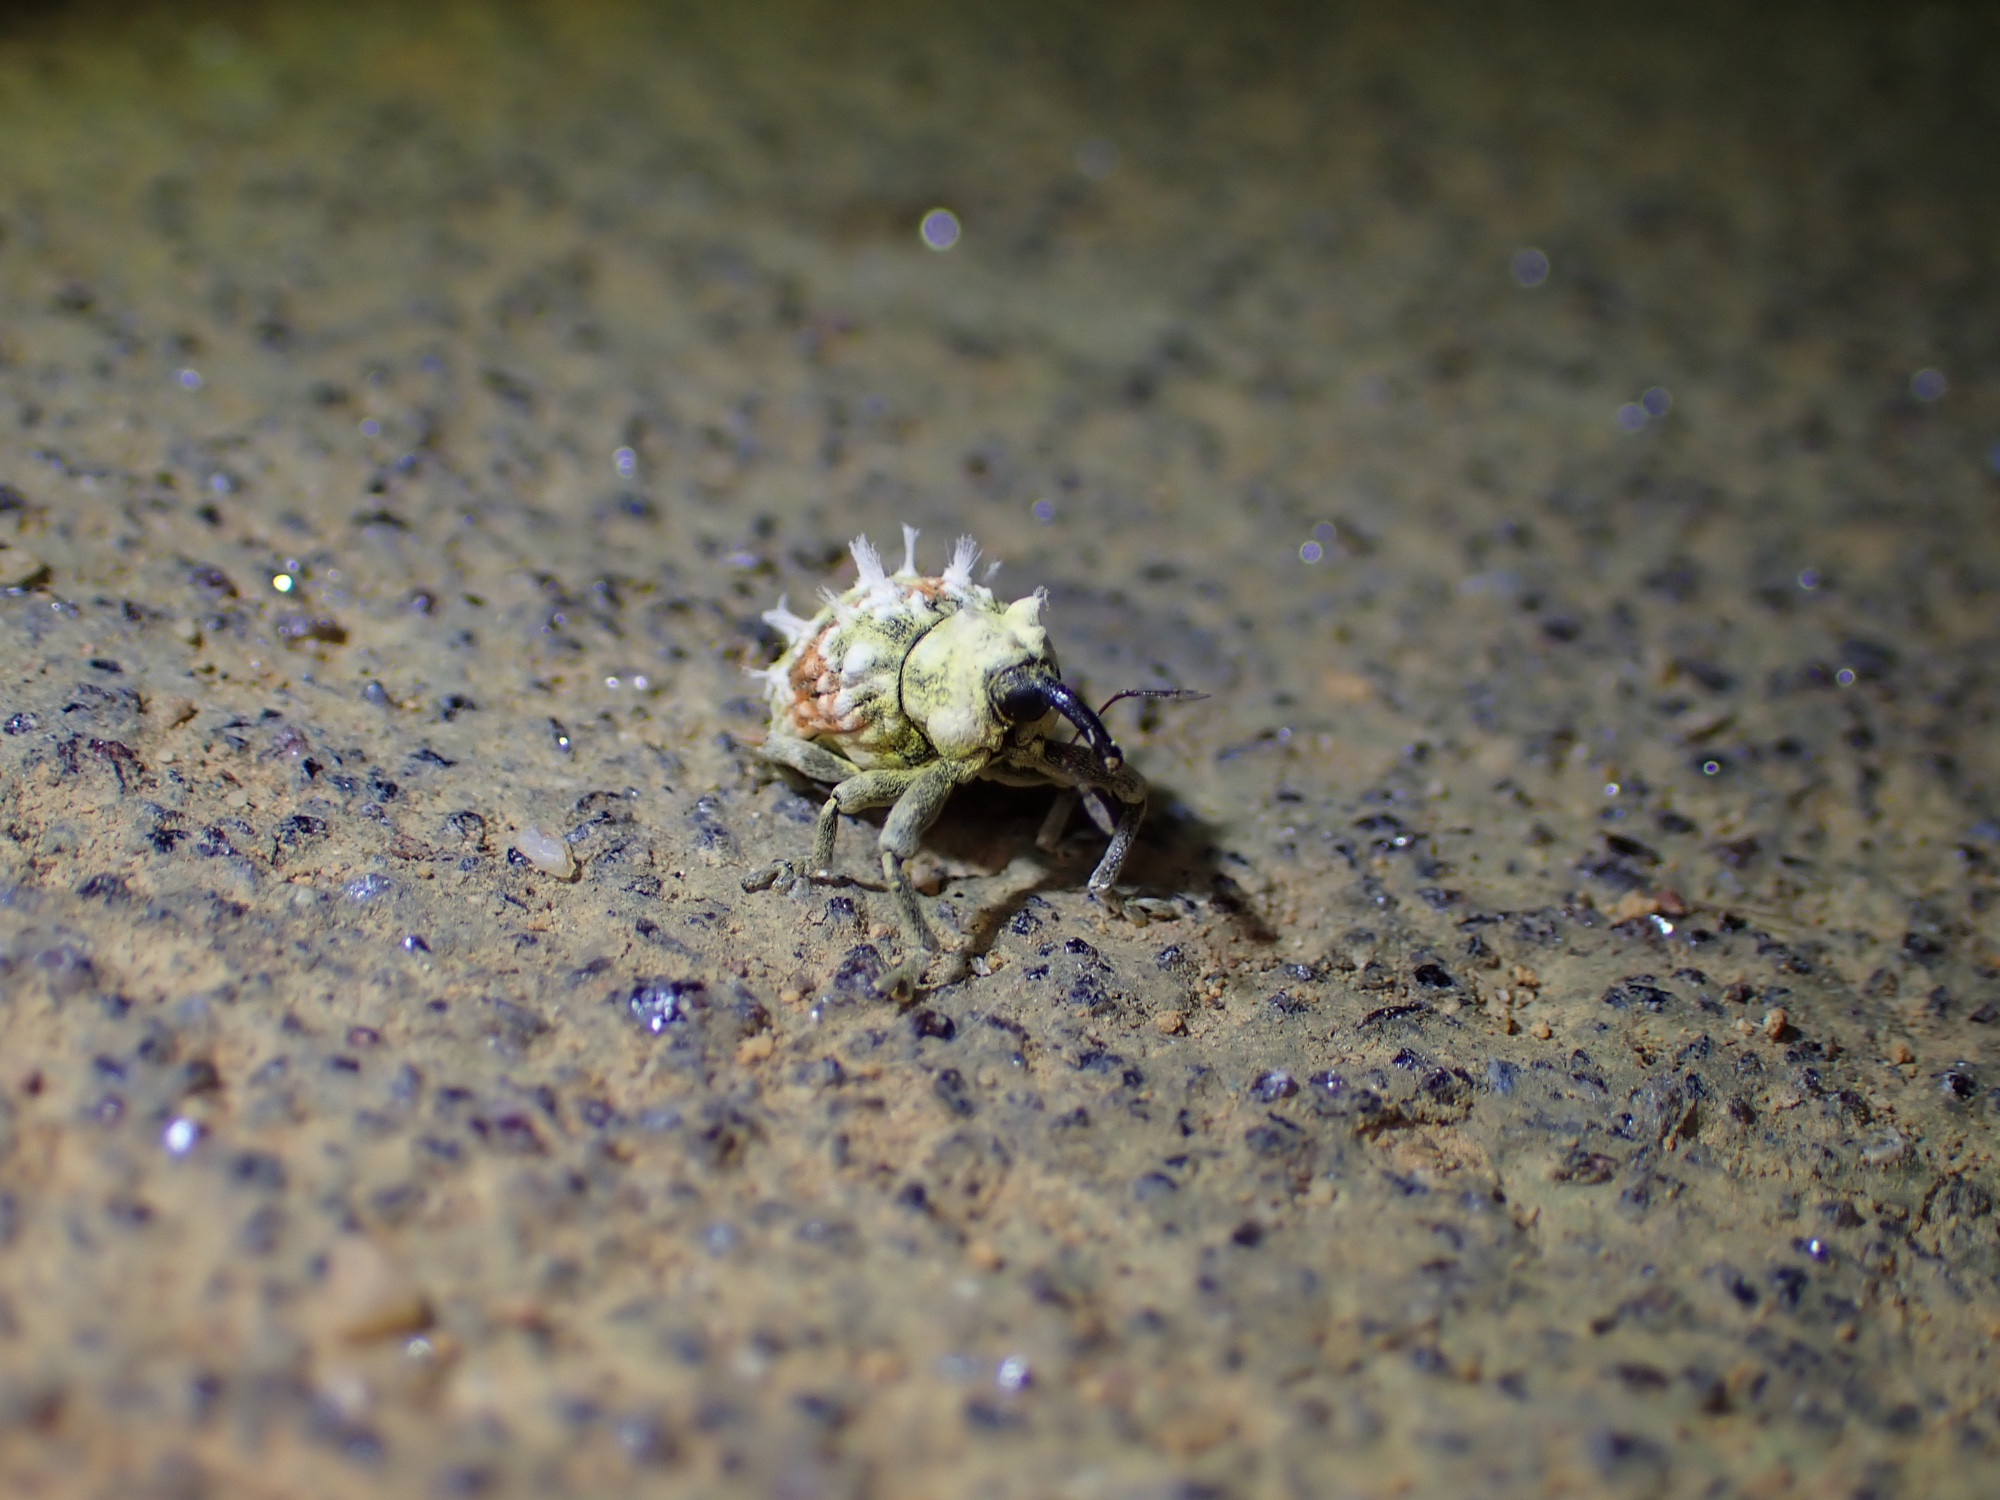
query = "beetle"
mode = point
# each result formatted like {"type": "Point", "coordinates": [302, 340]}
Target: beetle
{"type": "Point", "coordinates": [906, 687]}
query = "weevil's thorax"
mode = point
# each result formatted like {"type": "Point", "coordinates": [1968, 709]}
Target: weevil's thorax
{"type": "Point", "coordinates": [948, 676]}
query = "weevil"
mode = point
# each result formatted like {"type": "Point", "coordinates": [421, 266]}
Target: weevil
{"type": "Point", "coordinates": [906, 687]}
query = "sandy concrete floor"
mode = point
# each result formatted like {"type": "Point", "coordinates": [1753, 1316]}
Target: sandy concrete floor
{"type": "Point", "coordinates": [1562, 1061]}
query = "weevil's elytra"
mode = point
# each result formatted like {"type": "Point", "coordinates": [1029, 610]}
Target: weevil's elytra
{"type": "Point", "coordinates": [907, 686]}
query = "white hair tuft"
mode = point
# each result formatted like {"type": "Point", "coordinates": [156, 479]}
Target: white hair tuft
{"type": "Point", "coordinates": [794, 628]}
{"type": "Point", "coordinates": [959, 574]}
{"type": "Point", "coordinates": [867, 561]}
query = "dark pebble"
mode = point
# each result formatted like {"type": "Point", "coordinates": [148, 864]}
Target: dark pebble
{"type": "Point", "coordinates": [657, 1004]}
{"type": "Point", "coordinates": [953, 1092]}
{"type": "Point", "coordinates": [990, 1416]}
{"type": "Point", "coordinates": [929, 1023]}
{"type": "Point", "coordinates": [1269, 1088]}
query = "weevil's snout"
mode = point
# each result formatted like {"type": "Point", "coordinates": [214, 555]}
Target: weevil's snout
{"type": "Point", "coordinates": [1079, 713]}
{"type": "Point", "coordinates": [1028, 694]}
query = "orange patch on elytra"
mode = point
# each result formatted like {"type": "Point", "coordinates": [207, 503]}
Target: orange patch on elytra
{"type": "Point", "coordinates": [815, 695]}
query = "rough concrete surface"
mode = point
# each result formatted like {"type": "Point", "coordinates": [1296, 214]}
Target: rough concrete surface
{"type": "Point", "coordinates": [1558, 1053]}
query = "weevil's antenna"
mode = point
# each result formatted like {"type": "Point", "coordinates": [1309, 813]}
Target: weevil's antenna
{"type": "Point", "coordinates": [1170, 695]}
{"type": "Point", "coordinates": [1160, 695]}
{"type": "Point", "coordinates": [1073, 708]}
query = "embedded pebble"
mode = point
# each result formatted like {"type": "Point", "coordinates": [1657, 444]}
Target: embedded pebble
{"type": "Point", "coordinates": [546, 852]}
{"type": "Point", "coordinates": [367, 1294]}
{"type": "Point", "coordinates": [19, 567]}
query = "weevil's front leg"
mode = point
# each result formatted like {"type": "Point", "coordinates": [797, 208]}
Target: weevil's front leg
{"type": "Point", "coordinates": [1122, 837]}
{"type": "Point", "coordinates": [808, 759]}
{"type": "Point", "coordinates": [918, 807]}
{"type": "Point", "coordinates": [1076, 766]}
{"type": "Point", "coordinates": [861, 791]}
{"type": "Point", "coordinates": [928, 790]}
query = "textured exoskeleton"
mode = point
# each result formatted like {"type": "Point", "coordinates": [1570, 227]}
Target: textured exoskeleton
{"type": "Point", "coordinates": [905, 687]}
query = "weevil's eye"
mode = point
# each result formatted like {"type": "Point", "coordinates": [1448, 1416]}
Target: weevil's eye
{"type": "Point", "coordinates": [1020, 700]}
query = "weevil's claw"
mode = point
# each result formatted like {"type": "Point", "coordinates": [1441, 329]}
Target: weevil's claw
{"type": "Point", "coordinates": [1138, 910]}
{"type": "Point", "coordinates": [908, 979]}
{"type": "Point", "coordinates": [765, 876]}
{"type": "Point", "coordinates": [902, 983]}
{"type": "Point", "coordinates": [792, 878]}
{"type": "Point", "coordinates": [1049, 837]}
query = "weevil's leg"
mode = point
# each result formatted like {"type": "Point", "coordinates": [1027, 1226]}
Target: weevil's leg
{"type": "Point", "coordinates": [817, 763]}
{"type": "Point", "coordinates": [1102, 878]}
{"type": "Point", "coordinates": [929, 789]}
{"type": "Point", "coordinates": [856, 791]}
{"type": "Point", "coordinates": [1095, 804]}
{"type": "Point", "coordinates": [1074, 764]}
{"type": "Point", "coordinates": [807, 758]}
{"type": "Point", "coordinates": [1027, 767]}
{"type": "Point", "coordinates": [1050, 836]}
{"type": "Point", "coordinates": [824, 832]}
{"type": "Point", "coordinates": [861, 791]}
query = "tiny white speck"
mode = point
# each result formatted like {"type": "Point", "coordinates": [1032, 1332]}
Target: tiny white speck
{"type": "Point", "coordinates": [180, 1136]}
{"type": "Point", "coordinates": [1311, 552]}
{"type": "Point", "coordinates": [1014, 1374]}
{"type": "Point", "coordinates": [626, 462]}
{"type": "Point", "coordinates": [611, 683]}
{"type": "Point", "coordinates": [282, 582]}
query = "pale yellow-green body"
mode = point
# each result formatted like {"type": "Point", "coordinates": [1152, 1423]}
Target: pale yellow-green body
{"type": "Point", "coordinates": [905, 687]}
